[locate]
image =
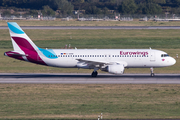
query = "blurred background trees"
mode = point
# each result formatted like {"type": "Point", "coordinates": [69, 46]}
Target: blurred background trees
{"type": "Point", "coordinates": [48, 7]}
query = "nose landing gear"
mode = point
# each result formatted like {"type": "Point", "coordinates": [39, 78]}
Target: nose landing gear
{"type": "Point", "coordinates": [152, 72]}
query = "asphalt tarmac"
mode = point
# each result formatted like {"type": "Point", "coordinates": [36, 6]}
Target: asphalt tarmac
{"type": "Point", "coordinates": [85, 78]}
{"type": "Point", "coordinates": [95, 27]}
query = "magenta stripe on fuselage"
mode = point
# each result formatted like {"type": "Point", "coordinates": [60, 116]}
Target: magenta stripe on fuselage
{"type": "Point", "coordinates": [28, 49]}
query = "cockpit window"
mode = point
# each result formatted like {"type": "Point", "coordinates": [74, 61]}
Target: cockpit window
{"type": "Point", "coordinates": [164, 55]}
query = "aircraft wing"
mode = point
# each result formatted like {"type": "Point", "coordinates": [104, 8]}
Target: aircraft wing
{"type": "Point", "coordinates": [92, 63]}
{"type": "Point", "coordinates": [100, 63]}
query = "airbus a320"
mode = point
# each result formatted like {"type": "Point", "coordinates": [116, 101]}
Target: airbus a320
{"type": "Point", "coordinates": [110, 60]}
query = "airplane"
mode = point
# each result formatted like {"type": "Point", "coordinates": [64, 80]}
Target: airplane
{"type": "Point", "coordinates": [113, 61]}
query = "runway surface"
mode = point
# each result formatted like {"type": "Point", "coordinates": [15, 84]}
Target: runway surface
{"type": "Point", "coordinates": [81, 78]}
{"type": "Point", "coordinates": [95, 27]}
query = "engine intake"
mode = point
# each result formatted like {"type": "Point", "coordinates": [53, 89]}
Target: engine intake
{"type": "Point", "coordinates": [116, 69]}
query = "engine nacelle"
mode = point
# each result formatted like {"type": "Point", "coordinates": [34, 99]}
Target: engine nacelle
{"type": "Point", "coordinates": [116, 69]}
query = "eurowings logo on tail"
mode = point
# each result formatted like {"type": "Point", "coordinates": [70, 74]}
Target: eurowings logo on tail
{"type": "Point", "coordinates": [24, 48]}
{"type": "Point", "coordinates": [14, 27]}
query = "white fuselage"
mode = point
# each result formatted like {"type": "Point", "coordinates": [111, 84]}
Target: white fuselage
{"type": "Point", "coordinates": [131, 58]}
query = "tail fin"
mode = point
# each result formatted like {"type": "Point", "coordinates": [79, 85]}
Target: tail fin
{"type": "Point", "coordinates": [24, 48]}
{"type": "Point", "coordinates": [20, 41]}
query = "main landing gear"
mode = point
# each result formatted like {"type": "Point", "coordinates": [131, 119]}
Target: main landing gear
{"type": "Point", "coordinates": [94, 73]}
{"type": "Point", "coordinates": [152, 73]}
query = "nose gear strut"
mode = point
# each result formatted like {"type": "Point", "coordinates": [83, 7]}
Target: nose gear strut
{"type": "Point", "coordinates": [152, 72]}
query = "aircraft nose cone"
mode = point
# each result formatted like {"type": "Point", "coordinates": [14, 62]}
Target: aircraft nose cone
{"type": "Point", "coordinates": [173, 61]}
{"type": "Point", "coordinates": [170, 61]}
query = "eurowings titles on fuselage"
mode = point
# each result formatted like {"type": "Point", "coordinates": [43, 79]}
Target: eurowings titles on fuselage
{"type": "Point", "coordinates": [110, 60]}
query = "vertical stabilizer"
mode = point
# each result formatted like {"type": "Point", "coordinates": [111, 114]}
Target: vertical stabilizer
{"type": "Point", "coordinates": [24, 48]}
{"type": "Point", "coordinates": [19, 38]}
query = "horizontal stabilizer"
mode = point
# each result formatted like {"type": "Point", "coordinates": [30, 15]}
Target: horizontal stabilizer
{"type": "Point", "coordinates": [10, 53]}
{"type": "Point", "coordinates": [18, 54]}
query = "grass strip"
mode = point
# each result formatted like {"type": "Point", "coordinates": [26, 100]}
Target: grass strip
{"type": "Point", "coordinates": [117, 39]}
{"type": "Point", "coordinates": [60, 101]}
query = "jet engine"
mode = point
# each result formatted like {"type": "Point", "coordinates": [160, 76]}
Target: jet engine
{"type": "Point", "coordinates": [116, 69]}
